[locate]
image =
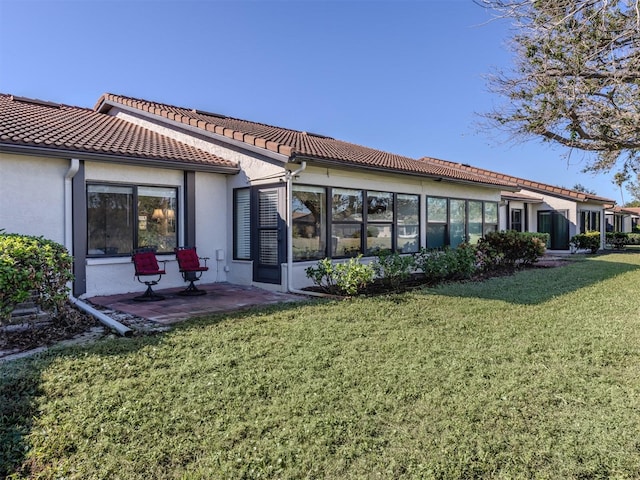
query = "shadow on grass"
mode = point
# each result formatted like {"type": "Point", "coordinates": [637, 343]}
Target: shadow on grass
{"type": "Point", "coordinates": [539, 285]}
{"type": "Point", "coordinates": [21, 382]}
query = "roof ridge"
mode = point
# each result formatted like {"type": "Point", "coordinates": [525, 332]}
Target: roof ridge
{"type": "Point", "coordinates": [533, 183]}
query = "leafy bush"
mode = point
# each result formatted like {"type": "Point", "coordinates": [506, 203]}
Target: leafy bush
{"type": "Point", "coordinates": [348, 278]}
{"type": "Point", "coordinates": [447, 264]}
{"type": "Point", "coordinates": [587, 241]}
{"type": "Point", "coordinates": [393, 268]}
{"type": "Point", "coordinates": [33, 265]}
{"type": "Point", "coordinates": [509, 249]}
{"type": "Point", "coordinates": [620, 239]}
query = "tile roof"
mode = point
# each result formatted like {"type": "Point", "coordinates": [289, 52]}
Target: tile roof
{"type": "Point", "coordinates": [35, 124]}
{"type": "Point", "coordinates": [522, 182]}
{"type": "Point", "coordinates": [295, 143]}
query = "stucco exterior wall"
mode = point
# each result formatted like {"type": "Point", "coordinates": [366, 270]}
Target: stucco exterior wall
{"type": "Point", "coordinates": [32, 195]}
{"type": "Point", "coordinates": [107, 276]}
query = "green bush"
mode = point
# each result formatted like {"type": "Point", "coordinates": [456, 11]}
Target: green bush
{"type": "Point", "coordinates": [587, 241]}
{"type": "Point", "coordinates": [348, 278]}
{"type": "Point", "coordinates": [446, 264]}
{"type": "Point", "coordinates": [33, 265]}
{"type": "Point", "coordinates": [510, 249]}
{"type": "Point", "coordinates": [620, 239]}
{"type": "Point", "coordinates": [393, 268]}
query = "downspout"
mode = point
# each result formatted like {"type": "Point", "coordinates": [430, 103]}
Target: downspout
{"type": "Point", "coordinates": [290, 288]}
{"type": "Point", "coordinates": [74, 166]}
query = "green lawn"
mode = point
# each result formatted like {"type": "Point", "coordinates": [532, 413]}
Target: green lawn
{"type": "Point", "coordinates": [536, 375]}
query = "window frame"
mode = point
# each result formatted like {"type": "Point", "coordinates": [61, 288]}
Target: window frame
{"type": "Point", "coordinates": [135, 216]}
{"type": "Point", "coordinates": [235, 245]}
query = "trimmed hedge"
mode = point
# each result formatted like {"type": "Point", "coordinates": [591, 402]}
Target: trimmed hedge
{"type": "Point", "coordinates": [33, 266]}
{"type": "Point", "coordinates": [620, 239]}
{"type": "Point", "coordinates": [587, 241]}
{"type": "Point", "coordinates": [509, 249]}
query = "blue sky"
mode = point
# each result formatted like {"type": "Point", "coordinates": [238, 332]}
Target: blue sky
{"type": "Point", "coordinates": [403, 76]}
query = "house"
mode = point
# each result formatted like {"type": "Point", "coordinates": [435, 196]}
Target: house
{"type": "Point", "coordinates": [622, 219]}
{"type": "Point", "coordinates": [539, 207]}
{"type": "Point", "coordinates": [263, 202]}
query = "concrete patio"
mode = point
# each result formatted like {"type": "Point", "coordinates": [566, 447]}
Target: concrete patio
{"type": "Point", "coordinates": [220, 297]}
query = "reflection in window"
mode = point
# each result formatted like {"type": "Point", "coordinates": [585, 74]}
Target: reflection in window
{"type": "Point", "coordinates": [490, 217]}
{"type": "Point", "coordinates": [346, 205]}
{"type": "Point", "coordinates": [437, 210]}
{"type": "Point", "coordinates": [457, 234]}
{"type": "Point", "coordinates": [309, 222]}
{"type": "Point", "coordinates": [111, 229]}
{"type": "Point", "coordinates": [379, 207]}
{"type": "Point", "coordinates": [408, 224]}
{"type": "Point", "coordinates": [345, 240]}
{"type": "Point", "coordinates": [475, 221]}
{"type": "Point", "coordinates": [379, 238]}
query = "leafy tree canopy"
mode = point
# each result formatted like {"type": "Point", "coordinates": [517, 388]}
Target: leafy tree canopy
{"type": "Point", "coordinates": [576, 77]}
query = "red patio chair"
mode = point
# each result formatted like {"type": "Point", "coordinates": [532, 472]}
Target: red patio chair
{"type": "Point", "coordinates": [146, 265]}
{"type": "Point", "coordinates": [191, 269]}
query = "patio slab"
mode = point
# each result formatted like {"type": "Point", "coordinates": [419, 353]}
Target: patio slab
{"type": "Point", "coordinates": [220, 297]}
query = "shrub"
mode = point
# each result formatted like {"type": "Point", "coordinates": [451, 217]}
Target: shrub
{"type": "Point", "coordinates": [587, 241]}
{"type": "Point", "coordinates": [348, 278]}
{"type": "Point", "coordinates": [393, 268]}
{"type": "Point", "coordinates": [446, 264]}
{"type": "Point", "coordinates": [510, 249]}
{"type": "Point", "coordinates": [33, 265]}
{"type": "Point", "coordinates": [617, 239]}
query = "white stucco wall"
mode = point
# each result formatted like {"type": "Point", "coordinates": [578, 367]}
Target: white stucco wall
{"type": "Point", "coordinates": [32, 195]}
{"type": "Point", "coordinates": [107, 276]}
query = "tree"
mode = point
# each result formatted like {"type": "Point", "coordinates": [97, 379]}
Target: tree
{"type": "Point", "coordinates": [578, 187]}
{"type": "Point", "coordinates": [576, 78]}
{"type": "Point", "coordinates": [619, 179]}
{"type": "Point", "coordinates": [633, 187]}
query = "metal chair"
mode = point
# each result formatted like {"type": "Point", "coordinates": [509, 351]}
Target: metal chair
{"type": "Point", "coordinates": [146, 265]}
{"type": "Point", "coordinates": [191, 269]}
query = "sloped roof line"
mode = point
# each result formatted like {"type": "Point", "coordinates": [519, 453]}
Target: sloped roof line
{"type": "Point", "coordinates": [36, 125]}
{"type": "Point", "coordinates": [523, 182]}
{"type": "Point", "coordinates": [295, 143]}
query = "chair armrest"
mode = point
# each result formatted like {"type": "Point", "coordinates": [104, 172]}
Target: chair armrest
{"type": "Point", "coordinates": [205, 260]}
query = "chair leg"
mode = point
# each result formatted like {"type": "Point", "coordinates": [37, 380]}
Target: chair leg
{"type": "Point", "coordinates": [191, 290]}
{"type": "Point", "coordinates": [149, 295]}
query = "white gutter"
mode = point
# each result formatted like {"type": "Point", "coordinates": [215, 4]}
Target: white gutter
{"type": "Point", "coordinates": [289, 179]}
{"type": "Point", "coordinates": [102, 318]}
{"type": "Point", "coordinates": [74, 166]}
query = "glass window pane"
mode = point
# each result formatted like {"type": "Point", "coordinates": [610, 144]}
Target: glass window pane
{"type": "Point", "coordinates": [408, 223]}
{"type": "Point", "coordinates": [379, 237]}
{"type": "Point", "coordinates": [109, 220]}
{"type": "Point", "coordinates": [242, 224]}
{"type": "Point", "coordinates": [379, 207]}
{"type": "Point", "coordinates": [157, 218]}
{"type": "Point", "coordinates": [309, 222]}
{"type": "Point", "coordinates": [345, 240]}
{"type": "Point", "coordinates": [436, 209]}
{"type": "Point", "coordinates": [475, 221]}
{"type": "Point", "coordinates": [490, 212]}
{"type": "Point", "coordinates": [436, 235]}
{"type": "Point", "coordinates": [346, 204]}
{"type": "Point", "coordinates": [457, 234]}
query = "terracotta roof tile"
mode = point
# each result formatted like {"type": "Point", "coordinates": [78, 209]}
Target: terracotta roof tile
{"type": "Point", "coordinates": [27, 122]}
{"type": "Point", "coordinates": [295, 143]}
{"type": "Point", "coordinates": [522, 182]}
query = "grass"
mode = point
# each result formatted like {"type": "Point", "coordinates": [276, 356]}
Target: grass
{"type": "Point", "coordinates": [536, 375]}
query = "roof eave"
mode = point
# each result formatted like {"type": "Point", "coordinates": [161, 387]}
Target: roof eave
{"type": "Point", "coordinates": [296, 157]}
{"type": "Point", "coordinates": [105, 105]}
{"type": "Point", "coordinates": [115, 158]}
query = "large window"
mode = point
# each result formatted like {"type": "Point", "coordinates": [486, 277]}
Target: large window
{"type": "Point", "coordinates": [309, 210]}
{"type": "Point", "coordinates": [342, 222]}
{"type": "Point", "coordinates": [451, 222]}
{"type": "Point", "coordinates": [121, 218]}
{"type": "Point", "coordinates": [589, 221]}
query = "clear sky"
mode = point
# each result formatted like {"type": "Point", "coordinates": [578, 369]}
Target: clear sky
{"type": "Point", "coordinates": [407, 77]}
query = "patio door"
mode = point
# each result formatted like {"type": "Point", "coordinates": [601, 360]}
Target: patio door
{"type": "Point", "coordinates": [268, 233]}
{"type": "Point", "coordinates": [556, 224]}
